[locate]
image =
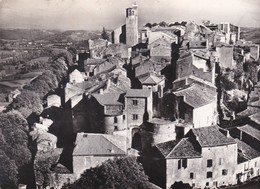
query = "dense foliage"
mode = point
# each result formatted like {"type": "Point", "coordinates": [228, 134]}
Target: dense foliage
{"type": "Point", "coordinates": [119, 173]}
{"type": "Point", "coordinates": [14, 152]}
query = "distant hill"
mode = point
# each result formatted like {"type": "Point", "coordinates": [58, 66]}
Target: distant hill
{"type": "Point", "coordinates": [52, 35]}
{"type": "Point", "coordinates": [75, 35]}
{"type": "Point", "coordinates": [29, 34]}
{"type": "Point", "coordinates": [250, 34]}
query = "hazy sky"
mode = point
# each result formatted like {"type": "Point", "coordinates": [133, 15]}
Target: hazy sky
{"type": "Point", "coordinates": [94, 14]}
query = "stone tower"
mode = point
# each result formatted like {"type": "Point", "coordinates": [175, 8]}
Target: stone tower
{"type": "Point", "coordinates": [132, 25]}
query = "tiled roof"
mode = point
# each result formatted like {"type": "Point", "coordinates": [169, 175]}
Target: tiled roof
{"type": "Point", "coordinates": [203, 81]}
{"type": "Point", "coordinates": [166, 147]}
{"type": "Point", "coordinates": [195, 95]}
{"type": "Point", "coordinates": [92, 61]}
{"type": "Point", "coordinates": [138, 93]}
{"type": "Point", "coordinates": [108, 99]}
{"type": "Point", "coordinates": [151, 78]}
{"type": "Point", "coordinates": [185, 148]}
{"type": "Point", "coordinates": [255, 117]}
{"type": "Point", "coordinates": [99, 144]}
{"type": "Point", "coordinates": [248, 129]}
{"type": "Point", "coordinates": [245, 151]}
{"type": "Point", "coordinates": [211, 136]}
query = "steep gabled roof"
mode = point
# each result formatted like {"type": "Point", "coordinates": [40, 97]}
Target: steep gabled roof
{"type": "Point", "coordinates": [99, 145]}
{"type": "Point", "coordinates": [211, 137]}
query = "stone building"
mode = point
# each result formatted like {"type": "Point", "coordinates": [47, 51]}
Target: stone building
{"type": "Point", "coordinates": [76, 77]}
{"type": "Point", "coordinates": [153, 81]}
{"type": "Point", "coordinates": [128, 33]}
{"type": "Point", "coordinates": [92, 150]}
{"type": "Point", "coordinates": [107, 113]}
{"type": "Point", "coordinates": [196, 63]}
{"type": "Point", "coordinates": [225, 55]}
{"type": "Point", "coordinates": [205, 158]}
{"type": "Point", "coordinates": [161, 48]}
{"type": "Point", "coordinates": [138, 109]}
{"type": "Point", "coordinates": [195, 104]}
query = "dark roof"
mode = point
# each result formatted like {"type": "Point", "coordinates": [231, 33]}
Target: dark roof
{"type": "Point", "coordinates": [138, 93]}
{"type": "Point", "coordinates": [196, 95]}
{"type": "Point", "coordinates": [108, 98]}
{"type": "Point", "coordinates": [245, 152]}
{"type": "Point", "coordinates": [185, 148]}
{"type": "Point", "coordinates": [211, 136]}
{"type": "Point", "coordinates": [248, 129]}
{"type": "Point", "coordinates": [99, 144]}
{"type": "Point", "coordinates": [166, 147]}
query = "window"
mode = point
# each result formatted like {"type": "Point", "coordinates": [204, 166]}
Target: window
{"type": "Point", "coordinates": [209, 163]}
{"type": "Point", "coordinates": [209, 174]}
{"type": "Point", "coordinates": [115, 119]}
{"type": "Point", "coordinates": [192, 175]}
{"type": "Point", "coordinates": [123, 117]}
{"type": "Point", "coordinates": [135, 116]}
{"type": "Point", "coordinates": [207, 183]}
{"type": "Point", "coordinates": [116, 128]}
{"type": "Point", "coordinates": [182, 163]}
{"type": "Point", "coordinates": [224, 171]}
{"type": "Point", "coordinates": [135, 102]}
{"type": "Point", "coordinates": [220, 161]}
{"type": "Point", "coordinates": [256, 164]}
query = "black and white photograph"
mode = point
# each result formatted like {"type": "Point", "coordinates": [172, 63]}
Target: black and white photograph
{"type": "Point", "coordinates": [129, 94]}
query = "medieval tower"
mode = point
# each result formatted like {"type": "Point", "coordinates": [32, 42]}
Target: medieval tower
{"type": "Point", "coordinates": [132, 25]}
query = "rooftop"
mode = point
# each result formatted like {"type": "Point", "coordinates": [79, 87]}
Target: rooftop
{"type": "Point", "coordinates": [99, 145]}
{"type": "Point", "coordinates": [248, 129]}
{"type": "Point", "coordinates": [108, 98]}
{"type": "Point", "coordinates": [245, 151]}
{"type": "Point", "coordinates": [92, 61]}
{"type": "Point", "coordinates": [185, 148]}
{"type": "Point", "coordinates": [195, 95]}
{"type": "Point", "coordinates": [138, 93]}
{"type": "Point", "coordinates": [211, 137]}
{"type": "Point", "coordinates": [151, 79]}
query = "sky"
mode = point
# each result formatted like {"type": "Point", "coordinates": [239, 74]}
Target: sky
{"type": "Point", "coordinates": [94, 14]}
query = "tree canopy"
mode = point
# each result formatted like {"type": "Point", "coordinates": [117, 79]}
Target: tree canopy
{"type": "Point", "coordinates": [14, 152]}
{"type": "Point", "coordinates": [119, 173]}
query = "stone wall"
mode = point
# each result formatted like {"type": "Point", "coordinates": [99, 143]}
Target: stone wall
{"type": "Point", "coordinates": [198, 166]}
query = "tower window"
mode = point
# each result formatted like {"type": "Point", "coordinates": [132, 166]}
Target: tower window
{"type": "Point", "coordinates": [209, 163]}
{"type": "Point", "coordinates": [192, 175]}
{"type": "Point", "coordinates": [224, 172]}
{"type": "Point", "coordinates": [209, 174]}
{"type": "Point", "coordinates": [135, 102]}
{"type": "Point", "coordinates": [115, 119]}
{"type": "Point", "coordinates": [135, 116]}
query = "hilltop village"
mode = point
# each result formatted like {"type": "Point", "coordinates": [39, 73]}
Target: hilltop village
{"type": "Point", "coordinates": [182, 98]}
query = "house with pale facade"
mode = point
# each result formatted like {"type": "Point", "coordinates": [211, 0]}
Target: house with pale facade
{"type": "Point", "coordinates": [91, 150]}
{"type": "Point", "coordinates": [195, 101]}
{"type": "Point", "coordinates": [204, 158]}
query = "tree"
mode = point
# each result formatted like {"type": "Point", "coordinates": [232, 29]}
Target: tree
{"type": "Point", "coordinates": [8, 173]}
{"type": "Point", "coordinates": [26, 103]}
{"type": "Point", "coordinates": [105, 35]}
{"type": "Point", "coordinates": [149, 25]}
{"type": "Point", "coordinates": [163, 24]}
{"type": "Point", "coordinates": [14, 145]}
{"type": "Point", "coordinates": [118, 173]}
